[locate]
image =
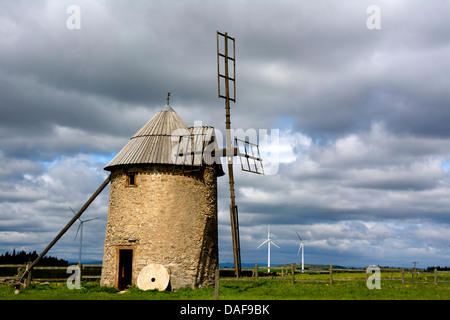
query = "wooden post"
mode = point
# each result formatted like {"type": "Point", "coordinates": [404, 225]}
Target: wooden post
{"type": "Point", "coordinates": [233, 207]}
{"type": "Point", "coordinates": [435, 276]}
{"type": "Point", "coordinates": [29, 277]}
{"type": "Point", "coordinates": [293, 273]}
{"type": "Point", "coordinates": [256, 272]}
{"type": "Point", "coordinates": [216, 284]}
{"type": "Point", "coordinates": [331, 274]}
{"type": "Point", "coordinates": [403, 276]}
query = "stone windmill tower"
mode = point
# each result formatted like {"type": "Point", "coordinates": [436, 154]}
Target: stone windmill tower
{"type": "Point", "coordinates": [161, 212]}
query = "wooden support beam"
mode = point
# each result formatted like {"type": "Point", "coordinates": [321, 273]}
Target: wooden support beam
{"type": "Point", "coordinates": [63, 231]}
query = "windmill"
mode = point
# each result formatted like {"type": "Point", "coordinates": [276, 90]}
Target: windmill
{"type": "Point", "coordinates": [240, 148]}
{"type": "Point", "coordinates": [268, 241]}
{"type": "Point", "coordinates": [80, 229]}
{"type": "Point", "coordinates": [302, 248]}
{"type": "Point", "coordinates": [248, 153]}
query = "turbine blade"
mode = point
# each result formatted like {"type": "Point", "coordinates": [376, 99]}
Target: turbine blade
{"type": "Point", "coordinates": [275, 244]}
{"type": "Point", "coordinates": [74, 213]}
{"type": "Point", "coordinates": [81, 223]}
{"type": "Point", "coordinates": [90, 219]}
{"type": "Point", "coordinates": [298, 235]}
{"type": "Point", "coordinates": [262, 244]}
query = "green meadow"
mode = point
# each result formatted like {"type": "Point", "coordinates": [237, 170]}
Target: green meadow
{"type": "Point", "coordinates": [262, 289]}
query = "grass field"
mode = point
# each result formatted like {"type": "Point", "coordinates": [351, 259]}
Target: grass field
{"type": "Point", "coordinates": [263, 289]}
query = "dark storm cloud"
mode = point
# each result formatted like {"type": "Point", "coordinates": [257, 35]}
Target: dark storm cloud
{"type": "Point", "coordinates": [376, 175]}
{"type": "Point", "coordinates": [125, 52]}
{"type": "Point", "coordinates": [334, 68]}
{"type": "Point", "coordinates": [101, 79]}
{"type": "Point", "coordinates": [317, 63]}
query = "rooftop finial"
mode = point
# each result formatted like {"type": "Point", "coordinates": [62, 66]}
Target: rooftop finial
{"type": "Point", "coordinates": [168, 96]}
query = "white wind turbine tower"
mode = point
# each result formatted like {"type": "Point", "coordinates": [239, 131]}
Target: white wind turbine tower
{"type": "Point", "coordinates": [81, 234]}
{"type": "Point", "coordinates": [301, 247]}
{"type": "Point", "coordinates": [269, 241]}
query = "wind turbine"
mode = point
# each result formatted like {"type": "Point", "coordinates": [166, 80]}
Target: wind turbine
{"type": "Point", "coordinates": [80, 228]}
{"type": "Point", "coordinates": [269, 241]}
{"type": "Point", "coordinates": [302, 248]}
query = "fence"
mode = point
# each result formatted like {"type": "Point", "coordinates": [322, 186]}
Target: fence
{"type": "Point", "coordinates": [48, 273]}
{"type": "Point", "coordinates": [329, 275]}
{"type": "Point", "coordinates": [325, 275]}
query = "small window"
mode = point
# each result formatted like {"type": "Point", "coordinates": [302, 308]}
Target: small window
{"type": "Point", "coordinates": [131, 179]}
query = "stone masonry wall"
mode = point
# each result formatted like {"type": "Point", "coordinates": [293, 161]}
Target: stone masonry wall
{"type": "Point", "coordinates": [169, 219]}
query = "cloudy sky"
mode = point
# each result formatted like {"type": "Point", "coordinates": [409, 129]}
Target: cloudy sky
{"type": "Point", "coordinates": [362, 116]}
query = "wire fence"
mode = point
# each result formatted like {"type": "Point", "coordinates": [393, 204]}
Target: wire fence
{"type": "Point", "coordinates": [330, 274]}
{"type": "Point", "coordinates": [292, 273]}
{"type": "Point", "coordinates": [48, 273]}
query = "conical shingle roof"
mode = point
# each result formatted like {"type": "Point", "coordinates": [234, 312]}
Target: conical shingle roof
{"type": "Point", "coordinates": [153, 143]}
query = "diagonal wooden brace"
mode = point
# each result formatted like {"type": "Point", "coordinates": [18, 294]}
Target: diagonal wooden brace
{"type": "Point", "coordinates": [63, 231]}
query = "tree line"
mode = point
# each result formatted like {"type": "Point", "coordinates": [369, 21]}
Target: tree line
{"type": "Point", "coordinates": [438, 268]}
{"type": "Point", "coordinates": [26, 257]}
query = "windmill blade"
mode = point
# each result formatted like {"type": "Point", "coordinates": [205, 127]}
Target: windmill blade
{"type": "Point", "coordinates": [75, 214]}
{"type": "Point", "coordinates": [298, 236]}
{"type": "Point", "coordinates": [262, 243]}
{"type": "Point", "coordinates": [274, 244]}
{"type": "Point", "coordinates": [91, 219]}
{"type": "Point", "coordinates": [80, 226]}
